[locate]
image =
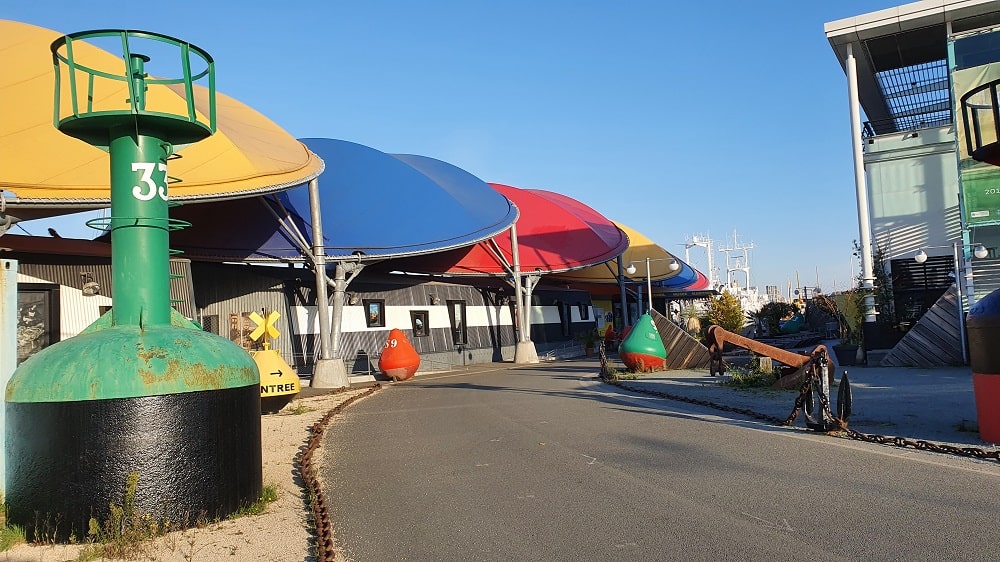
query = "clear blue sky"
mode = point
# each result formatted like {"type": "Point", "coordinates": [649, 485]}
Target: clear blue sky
{"type": "Point", "coordinates": [674, 118]}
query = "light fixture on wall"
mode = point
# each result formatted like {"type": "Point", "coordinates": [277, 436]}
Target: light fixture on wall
{"type": "Point", "coordinates": [353, 298]}
{"type": "Point", "coordinates": [434, 299]}
{"type": "Point", "coordinates": [89, 287]}
{"type": "Point", "coordinates": [980, 252]}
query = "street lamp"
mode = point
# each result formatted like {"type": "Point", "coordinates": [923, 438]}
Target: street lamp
{"type": "Point", "coordinates": [674, 266]}
{"type": "Point", "coordinates": [978, 251]}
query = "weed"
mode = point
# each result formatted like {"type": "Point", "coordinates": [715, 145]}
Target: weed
{"type": "Point", "coordinates": [267, 495]}
{"type": "Point", "coordinates": [298, 410]}
{"type": "Point", "coordinates": [89, 552]}
{"type": "Point", "coordinates": [11, 536]}
{"type": "Point", "coordinates": [747, 378]}
{"type": "Point", "coordinates": [125, 531]}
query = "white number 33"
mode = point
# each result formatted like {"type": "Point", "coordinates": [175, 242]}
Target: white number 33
{"type": "Point", "coordinates": [147, 178]}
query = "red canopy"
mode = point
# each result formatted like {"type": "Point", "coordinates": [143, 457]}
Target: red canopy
{"type": "Point", "coordinates": [554, 233]}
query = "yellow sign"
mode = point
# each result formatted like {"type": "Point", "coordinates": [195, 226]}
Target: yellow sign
{"type": "Point", "coordinates": [264, 325]}
{"type": "Point", "coordinates": [276, 376]}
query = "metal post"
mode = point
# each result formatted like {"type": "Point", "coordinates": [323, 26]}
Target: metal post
{"type": "Point", "coordinates": [319, 263]}
{"type": "Point", "coordinates": [649, 285]}
{"type": "Point", "coordinates": [861, 188]}
{"type": "Point", "coordinates": [621, 288]}
{"type": "Point", "coordinates": [339, 286]}
{"type": "Point", "coordinates": [961, 311]}
{"type": "Point", "coordinates": [516, 255]}
{"type": "Point", "coordinates": [8, 349]}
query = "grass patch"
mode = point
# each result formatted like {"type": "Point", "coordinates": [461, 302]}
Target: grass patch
{"type": "Point", "coordinates": [614, 375]}
{"type": "Point", "coordinates": [747, 378]}
{"type": "Point", "coordinates": [268, 495]}
{"type": "Point", "coordinates": [125, 532]}
{"type": "Point", "coordinates": [10, 535]}
{"type": "Point", "coordinates": [298, 410]}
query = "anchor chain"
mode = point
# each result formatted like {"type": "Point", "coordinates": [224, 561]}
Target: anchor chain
{"type": "Point", "coordinates": [322, 526]}
{"type": "Point", "coordinates": [840, 428]}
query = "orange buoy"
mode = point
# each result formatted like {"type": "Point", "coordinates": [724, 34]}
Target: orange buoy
{"type": "Point", "coordinates": [399, 360]}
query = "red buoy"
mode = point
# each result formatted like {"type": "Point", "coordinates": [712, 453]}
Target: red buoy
{"type": "Point", "coordinates": [399, 360]}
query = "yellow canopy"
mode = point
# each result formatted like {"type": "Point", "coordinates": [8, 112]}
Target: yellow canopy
{"type": "Point", "coordinates": [639, 248]}
{"type": "Point", "coordinates": [50, 173]}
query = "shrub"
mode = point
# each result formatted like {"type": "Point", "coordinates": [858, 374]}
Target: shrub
{"type": "Point", "coordinates": [725, 311]}
{"type": "Point", "coordinates": [773, 313]}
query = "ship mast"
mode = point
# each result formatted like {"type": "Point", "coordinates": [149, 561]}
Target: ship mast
{"type": "Point", "coordinates": [738, 262]}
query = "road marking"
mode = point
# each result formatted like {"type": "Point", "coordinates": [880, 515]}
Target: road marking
{"type": "Point", "coordinates": [783, 526]}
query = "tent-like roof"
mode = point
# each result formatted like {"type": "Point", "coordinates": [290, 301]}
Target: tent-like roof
{"type": "Point", "coordinates": [373, 206]}
{"type": "Point", "coordinates": [640, 247]}
{"type": "Point", "coordinates": [46, 173]}
{"type": "Point", "coordinates": [701, 284]}
{"type": "Point", "coordinates": [554, 233]}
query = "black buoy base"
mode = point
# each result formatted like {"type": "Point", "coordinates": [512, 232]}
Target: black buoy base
{"type": "Point", "coordinates": [197, 456]}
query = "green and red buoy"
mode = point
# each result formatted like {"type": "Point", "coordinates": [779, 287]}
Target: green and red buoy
{"type": "Point", "coordinates": [142, 390]}
{"type": "Point", "coordinates": [642, 350]}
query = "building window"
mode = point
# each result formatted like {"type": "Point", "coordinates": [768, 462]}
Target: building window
{"type": "Point", "coordinates": [584, 311]}
{"type": "Point", "coordinates": [418, 319]}
{"type": "Point", "coordinates": [456, 314]}
{"type": "Point", "coordinates": [37, 318]}
{"type": "Point", "coordinates": [374, 312]}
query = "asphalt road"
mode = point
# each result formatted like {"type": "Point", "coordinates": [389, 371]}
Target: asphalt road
{"type": "Point", "coordinates": [547, 463]}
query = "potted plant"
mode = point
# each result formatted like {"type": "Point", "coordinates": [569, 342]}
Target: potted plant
{"type": "Point", "coordinates": [847, 310]}
{"type": "Point", "coordinates": [589, 340]}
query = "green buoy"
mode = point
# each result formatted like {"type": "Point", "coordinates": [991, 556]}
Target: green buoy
{"type": "Point", "coordinates": [643, 350]}
{"type": "Point", "coordinates": [142, 390]}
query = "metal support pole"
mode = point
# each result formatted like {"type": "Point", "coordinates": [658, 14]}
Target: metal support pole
{"type": "Point", "coordinates": [649, 285]}
{"type": "Point", "coordinates": [621, 288]}
{"type": "Point", "coordinates": [861, 188]}
{"type": "Point", "coordinates": [8, 350]}
{"type": "Point", "coordinates": [961, 311]}
{"type": "Point", "coordinates": [319, 263]}
{"type": "Point", "coordinates": [516, 255]}
{"type": "Point", "coordinates": [339, 287]}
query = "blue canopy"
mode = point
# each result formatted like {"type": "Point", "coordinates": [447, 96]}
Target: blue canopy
{"type": "Point", "coordinates": [684, 278]}
{"type": "Point", "coordinates": [372, 205]}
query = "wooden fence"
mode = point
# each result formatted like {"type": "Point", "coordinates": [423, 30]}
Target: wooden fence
{"type": "Point", "coordinates": [683, 351]}
{"type": "Point", "coordinates": [934, 340]}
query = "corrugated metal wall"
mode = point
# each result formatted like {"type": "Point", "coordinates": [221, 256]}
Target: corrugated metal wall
{"type": "Point", "coordinates": [227, 291]}
{"type": "Point", "coordinates": [221, 296]}
{"type": "Point", "coordinates": [226, 294]}
{"type": "Point", "coordinates": [76, 310]}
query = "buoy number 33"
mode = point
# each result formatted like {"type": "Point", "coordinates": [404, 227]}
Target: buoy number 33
{"type": "Point", "coordinates": [150, 189]}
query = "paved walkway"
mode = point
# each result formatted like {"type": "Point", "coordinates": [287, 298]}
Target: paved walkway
{"type": "Point", "coordinates": [936, 405]}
